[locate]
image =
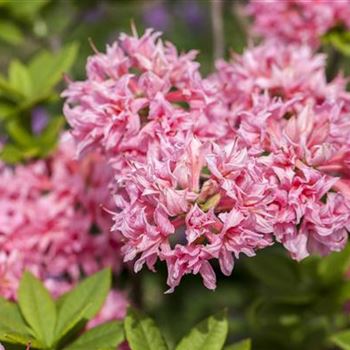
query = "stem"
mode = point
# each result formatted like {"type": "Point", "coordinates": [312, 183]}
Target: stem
{"type": "Point", "coordinates": [218, 28]}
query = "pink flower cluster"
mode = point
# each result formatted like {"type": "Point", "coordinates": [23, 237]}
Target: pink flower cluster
{"type": "Point", "coordinates": [211, 168]}
{"type": "Point", "coordinates": [53, 221]}
{"type": "Point", "coordinates": [140, 96]}
{"type": "Point", "coordinates": [283, 107]}
{"type": "Point", "coordinates": [298, 21]}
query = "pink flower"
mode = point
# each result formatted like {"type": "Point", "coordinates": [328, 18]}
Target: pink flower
{"type": "Point", "coordinates": [136, 94]}
{"type": "Point", "coordinates": [177, 210]}
{"type": "Point", "coordinates": [53, 222]}
{"type": "Point", "coordinates": [189, 259]}
{"type": "Point", "coordinates": [289, 72]}
{"type": "Point", "coordinates": [208, 169]}
{"type": "Point", "coordinates": [298, 20]}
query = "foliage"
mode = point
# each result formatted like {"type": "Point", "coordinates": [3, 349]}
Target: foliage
{"type": "Point", "coordinates": [142, 333]}
{"type": "Point", "coordinates": [26, 88]}
{"type": "Point", "coordinates": [44, 323]}
{"type": "Point", "coordinates": [302, 302]}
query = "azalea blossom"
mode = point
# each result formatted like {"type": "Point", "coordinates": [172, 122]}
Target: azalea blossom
{"type": "Point", "coordinates": [290, 73]}
{"type": "Point", "coordinates": [138, 93]}
{"type": "Point", "coordinates": [298, 21]}
{"type": "Point", "coordinates": [303, 129]}
{"type": "Point", "coordinates": [210, 203]}
{"type": "Point", "coordinates": [53, 220]}
{"type": "Point", "coordinates": [212, 168]}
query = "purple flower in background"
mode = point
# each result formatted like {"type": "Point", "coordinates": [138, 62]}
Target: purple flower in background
{"type": "Point", "coordinates": [95, 14]}
{"type": "Point", "coordinates": [40, 119]}
{"type": "Point", "coordinates": [156, 15]}
{"type": "Point", "coordinates": [192, 13]}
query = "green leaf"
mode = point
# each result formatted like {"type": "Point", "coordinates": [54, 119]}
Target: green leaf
{"type": "Point", "coordinates": [48, 138]}
{"type": "Point", "coordinates": [339, 38]}
{"type": "Point", "coordinates": [209, 334]}
{"type": "Point", "coordinates": [16, 338]}
{"type": "Point", "coordinates": [12, 325]}
{"type": "Point", "coordinates": [7, 89]}
{"type": "Point", "coordinates": [19, 78]}
{"type": "Point", "coordinates": [342, 339]}
{"type": "Point", "coordinates": [11, 154]}
{"type": "Point", "coordinates": [10, 33]}
{"type": "Point", "coordinates": [274, 270]}
{"type": "Point", "coordinates": [333, 267]}
{"type": "Point", "coordinates": [107, 335]}
{"type": "Point", "coordinates": [89, 296]}
{"type": "Point", "coordinates": [6, 110]}
{"type": "Point", "coordinates": [11, 318]}
{"type": "Point", "coordinates": [28, 9]}
{"type": "Point", "coordinates": [142, 333]}
{"type": "Point", "coordinates": [242, 345]}
{"type": "Point", "coordinates": [19, 134]}
{"type": "Point", "coordinates": [37, 307]}
{"type": "Point", "coordinates": [47, 69]}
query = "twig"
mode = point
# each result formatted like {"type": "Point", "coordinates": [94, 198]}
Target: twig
{"type": "Point", "coordinates": [218, 28]}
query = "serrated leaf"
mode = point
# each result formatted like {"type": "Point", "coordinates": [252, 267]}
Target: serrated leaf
{"type": "Point", "coordinates": [107, 335]}
{"type": "Point", "coordinates": [242, 345]}
{"type": "Point", "coordinates": [342, 339]}
{"type": "Point", "coordinates": [90, 294]}
{"type": "Point", "coordinates": [37, 308]}
{"type": "Point", "coordinates": [209, 334]}
{"type": "Point", "coordinates": [142, 333]}
{"type": "Point", "coordinates": [19, 78]}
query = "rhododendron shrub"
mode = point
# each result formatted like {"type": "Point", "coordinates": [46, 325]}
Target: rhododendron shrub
{"type": "Point", "coordinates": [53, 220]}
{"type": "Point", "coordinates": [298, 21]}
{"type": "Point", "coordinates": [211, 168]}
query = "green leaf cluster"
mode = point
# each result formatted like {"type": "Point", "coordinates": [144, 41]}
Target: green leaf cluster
{"type": "Point", "coordinates": [16, 17]}
{"type": "Point", "coordinates": [339, 38]}
{"type": "Point", "coordinates": [299, 302]}
{"type": "Point", "coordinates": [44, 323]}
{"type": "Point", "coordinates": [142, 333]}
{"type": "Point", "coordinates": [24, 88]}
